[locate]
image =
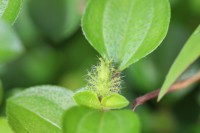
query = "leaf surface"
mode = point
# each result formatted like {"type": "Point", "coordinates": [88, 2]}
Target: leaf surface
{"type": "Point", "coordinates": [9, 9]}
{"type": "Point", "coordinates": [39, 109]}
{"type": "Point", "coordinates": [4, 126]}
{"type": "Point", "coordinates": [84, 120]}
{"type": "Point", "coordinates": [126, 30]}
{"type": "Point", "coordinates": [87, 98]}
{"type": "Point", "coordinates": [114, 101]}
{"type": "Point", "coordinates": [189, 53]}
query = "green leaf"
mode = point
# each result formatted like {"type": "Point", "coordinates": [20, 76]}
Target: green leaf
{"type": "Point", "coordinates": [9, 9]}
{"type": "Point", "coordinates": [39, 109]}
{"type": "Point", "coordinates": [87, 98]}
{"type": "Point", "coordinates": [189, 53]}
{"type": "Point", "coordinates": [10, 45]}
{"type": "Point", "coordinates": [57, 19]}
{"type": "Point", "coordinates": [4, 126]}
{"type": "Point", "coordinates": [114, 101]}
{"type": "Point", "coordinates": [90, 99]}
{"type": "Point", "coordinates": [84, 120]}
{"type": "Point", "coordinates": [126, 30]}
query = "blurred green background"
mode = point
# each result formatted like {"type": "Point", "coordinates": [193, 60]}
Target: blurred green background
{"type": "Point", "coordinates": [51, 49]}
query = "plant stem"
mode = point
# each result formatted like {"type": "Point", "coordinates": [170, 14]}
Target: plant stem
{"type": "Point", "coordinates": [175, 87]}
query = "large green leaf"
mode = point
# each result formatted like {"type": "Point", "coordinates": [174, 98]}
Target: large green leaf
{"type": "Point", "coordinates": [10, 45]}
{"type": "Point", "coordinates": [9, 9]}
{"type": "Point", "coordinates": [84, 120]}
{"type": "Point", "coordinates": [126, 30]}
{"type": "Point", "coordinates": [189, 53]}
{"type": "Point", "coordinates": [39, 109]}
{"type": "Point", "coordinates": [57, 19]}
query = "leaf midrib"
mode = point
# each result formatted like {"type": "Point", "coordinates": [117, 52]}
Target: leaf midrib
{"type": "Point", "coordinates": [40, 116]}
{"type": "Point", "coordinates": [81, 121]}
{"type": "Point", "coordinates": [144, 37]}
{"type": "Point", "coordinates": [124, 39]}
{"type": "Point", "coordinates": [118, 120]}
{"type": "Point", "coordinates": [101, 123]}
{"type": "Point", "coordinates": [36, 114]}
{"type": "Point", "coordinates": [102, 31]}
{"type": "Point", "coordinates": [13, 117]}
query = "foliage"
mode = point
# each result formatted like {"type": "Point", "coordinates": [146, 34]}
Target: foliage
{"type": "Point", "coordinates": [98, 121]}
{"type": "Point", "coordinates": [90, 99]}
{"type": "Point", "coordinates": [5, 128]}
{"type": "Point", "coordinates": [39, 109]}
{"type": "Point", "coordinates": [122, 34]}
{"type": "Point", "coordinates": [119, 47]}
{"type": "Point", "coordinates": [9, 10]}
{"type": "Point", "coordinates": [45, 45]}
{"type": "Point", "coordinates": [183, 61]}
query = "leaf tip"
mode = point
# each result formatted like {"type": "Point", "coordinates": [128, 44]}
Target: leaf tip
{"type": "Point", "coordinates": [161, 95]}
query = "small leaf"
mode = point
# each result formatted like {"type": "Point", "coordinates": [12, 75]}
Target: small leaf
{"type": "Point", "coordinates": [87, 98]}
{"type": "Point", "coordinates": [84, 120]}
{"type": "Point", "coordinates": [126, 30]}
{"type": "Point", "coordinates": [39, 109]}
{"type": "Point", "coordinates": [10, 45]}
{"type": "Point", "coordinates": [114, 101]}
{"type": "Point", "coordinates": [189, 53]}
{"type": "Point", "coordinates": [9, 9]}
{"type": "Point", "coordinates": [4, 126]}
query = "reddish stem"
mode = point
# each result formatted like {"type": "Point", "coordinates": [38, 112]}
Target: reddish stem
{"type": "Point", "coordinates": [177, 86]}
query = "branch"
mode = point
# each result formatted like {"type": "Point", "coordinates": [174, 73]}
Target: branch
{"type": "Point", "coordinates": [175, 87]}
